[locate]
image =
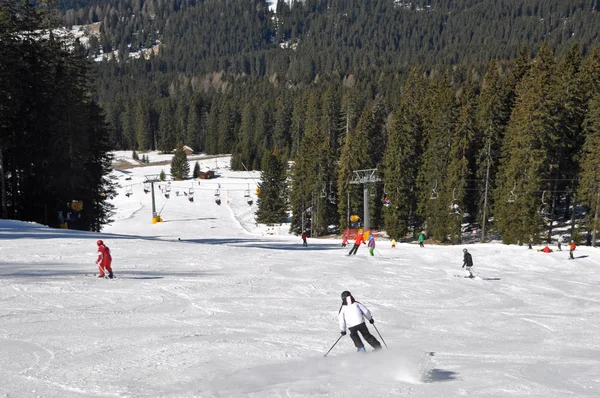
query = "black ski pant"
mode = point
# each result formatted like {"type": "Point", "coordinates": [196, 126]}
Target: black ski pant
{"type": "Point", "coordinates": [571, 255]}
{"type": "Point", "coordinates": [353, 250]}
{"type": "Point", "coordinates": [304, 243]}
{"type": "Point", "coordinates": [364, 331]}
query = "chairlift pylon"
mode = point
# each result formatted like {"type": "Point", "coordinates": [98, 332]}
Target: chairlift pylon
{"type": "Point", "coordinates": [323, 193]}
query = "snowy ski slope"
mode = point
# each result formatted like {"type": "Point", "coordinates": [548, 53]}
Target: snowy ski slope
{"type": "Point", "coordinates": [209, 304]}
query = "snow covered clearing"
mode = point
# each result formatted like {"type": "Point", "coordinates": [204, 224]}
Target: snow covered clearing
{"type": "Point", "coordinates": [209, 304]}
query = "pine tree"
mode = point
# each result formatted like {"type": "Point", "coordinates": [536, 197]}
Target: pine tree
{"type": "Point", "coordinates": [228, 119]}
{"type": "Point", "coordinates": [272, 201]}
{"type": "Point", "coordinates": [244, 151]}
{"type": "Point", "coordinates": [311, 173]}
{"type": "Point", "coordinates": [142, 127]}
{"type": "Point", "coordinates": [180, 168]}
{"type": "Point", "coordinates": [196, 173]}
{"type": "Point", "coordinates": [402, 156]}
{"type": "Point", "coordinates": [588, 191]}
{"type": "Point", "coordinates": [297, 124]}
{"type": "Point", "coordinates": [281, 129]}
{"type": "Point", "coordinates": [567, 140]}
{"type": "Point", "coordinates": [166, 128]}
{"type": "Point", "coordinates": [196, 124]}
{"type": "Point", "coordinates": [525, 158]}
{"type": "Point", "coordinates": [459, 167]}
{"type": "Point", "coordinates": [439, 125]}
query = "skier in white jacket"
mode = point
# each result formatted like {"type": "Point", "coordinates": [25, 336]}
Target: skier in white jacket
{"type": "Point", "coordinates": [352, 315]}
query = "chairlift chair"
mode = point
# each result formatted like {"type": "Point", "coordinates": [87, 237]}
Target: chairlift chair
{"type": "Point", "coordinates": [453, 204]}
{"type": "Point", "coordinates": [146, 187]}
{"type": "Point", "coordinates": [512, 196]}
{"type": "Point", "coordinates": [128, 191]}
{"type": "Point", "coordinates": [543, 210]}
{"type": "Point", "coordinates": [323, 193]}
{"type": "Point", "coordinates": [434, 193]}
{"type": "Point", "coordinates": [384, 198]}
{"type": "Point", "coordinates": [372, 191]}
{"type": "Point", "coordinates": [332, 198]}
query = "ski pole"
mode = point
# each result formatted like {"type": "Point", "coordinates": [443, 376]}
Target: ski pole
{"type": "Point", "coordinates": [386, 346]}
{"type": "Point", "coordinates": [334, 345]}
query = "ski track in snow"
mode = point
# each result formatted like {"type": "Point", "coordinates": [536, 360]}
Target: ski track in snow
{"type": "Point", "coordinates": [209, 304]}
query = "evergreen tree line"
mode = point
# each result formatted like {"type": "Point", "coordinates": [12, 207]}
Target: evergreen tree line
{"type": "Point", "coordinates": [517, 146]}
{"type": "Point", "coordinates": [332, 36]}
{"type": "Point", "coordinates": [54, 141]}
{"type": "Point", "coordinates": [446, 143]}
{"type": "Point", "coordinates": [214, 54]}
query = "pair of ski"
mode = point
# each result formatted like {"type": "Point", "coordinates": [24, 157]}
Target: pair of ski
{"type": "Point", "coordinates": [100, 276]}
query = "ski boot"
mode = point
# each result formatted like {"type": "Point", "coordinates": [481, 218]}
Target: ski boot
{"type": "Point", "coordinates": [110, 276]}
{"type": "Point", "coordinates": [100, 276]}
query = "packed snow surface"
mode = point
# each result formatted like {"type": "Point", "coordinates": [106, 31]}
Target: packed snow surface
{"type": "Point", "coordinates": [210, 304]}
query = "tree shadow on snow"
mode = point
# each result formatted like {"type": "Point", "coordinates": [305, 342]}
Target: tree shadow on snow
{"type": "Point", "coordinates": [439, 375]}
{"type": "Point", "coordinates": [190, 219]}
{"type": "Point", "coordinates": [262, 244]}
{"type": "Point", "coordinates": [53, 270]}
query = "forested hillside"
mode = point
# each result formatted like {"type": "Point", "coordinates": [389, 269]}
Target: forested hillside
{"type": "Point", "coordinates": [470, 110]}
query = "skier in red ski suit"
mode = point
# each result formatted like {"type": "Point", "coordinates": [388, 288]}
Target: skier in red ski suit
{"type": "Point", "coordinates": [104, 260]}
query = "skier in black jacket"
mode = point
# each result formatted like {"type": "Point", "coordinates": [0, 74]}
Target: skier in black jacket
{"type": "Point", "coordinates": [468, 263]}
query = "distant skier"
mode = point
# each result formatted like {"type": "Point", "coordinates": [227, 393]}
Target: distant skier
{"type": "Point", "coordinates": [359, 239]}
{"type": "Point", "coordinates": [104, 260]}
{"type": "Point", "coordinates": [371, 244]}
{"type": "Point", "coordinates": [352, 315]}
{"type": "Point", "coordinates": [572, 247]}
{"type": "Point", "coordinates": [344, 241]}
{"type": "Point", "coordinates": [559, 246]}
{"type": "Point", "coordinates": [304, 237]}
{"type": "Point", "coordinates": [468, 263]}
{"type": "Point", "coordinates": [393, 243]}
{"type": "Point", "coordinates": [421, 239]}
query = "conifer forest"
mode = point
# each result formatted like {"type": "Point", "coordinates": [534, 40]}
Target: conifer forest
{"type": "Point", "coordinates": [479, 112]}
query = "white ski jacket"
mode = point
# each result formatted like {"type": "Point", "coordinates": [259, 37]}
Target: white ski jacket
{"type": "Point", "coordinates": [352, 315]}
